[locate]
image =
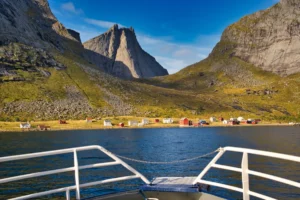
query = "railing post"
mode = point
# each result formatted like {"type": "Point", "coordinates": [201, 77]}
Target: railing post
{"type": "Point", "coordinates": [76, 175]}
{"type": "Point", "coordinates": [68, 194]}
{"type": "Point", "coordinates": [205, 170]}
{"type": "Point", "coordinates": [245, 177]}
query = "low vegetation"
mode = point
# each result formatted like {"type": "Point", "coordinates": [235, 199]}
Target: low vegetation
{"type": "Point", "coordinates": [218, 86]}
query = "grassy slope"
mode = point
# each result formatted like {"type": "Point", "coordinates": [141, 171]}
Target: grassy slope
{"type": "Point", "coordinates": [232, 77]}
{"type": "Point", "coordinates": [183, 94]}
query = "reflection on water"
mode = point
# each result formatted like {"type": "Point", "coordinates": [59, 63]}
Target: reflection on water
{"type": "Point", "coordinates": [154, 145]}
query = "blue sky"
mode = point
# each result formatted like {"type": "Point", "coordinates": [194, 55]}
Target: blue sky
{"type": "Point", "coordinates": [177, 33]}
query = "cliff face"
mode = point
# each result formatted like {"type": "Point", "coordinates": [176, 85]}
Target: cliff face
{"type": "Point", "coordinates": [269, 39]}
{"type": "Point", "coordinates": [32, 23]}
{"type": "Point", "coordinates": [129, 59]}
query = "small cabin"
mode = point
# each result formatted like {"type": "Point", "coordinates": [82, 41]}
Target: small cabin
{"type": "Point", "coordinates": [184, 122]}
{"type": "Point", "coordinates": [156, 120]}
{"type": "Point", "coordinates": [25, 125]}
{"type": "Point", "coordinates": [121, 124]}
{"type": "Point", "coordinates": [43, 127]}
{"type": "Point", "coordinates": [62, 122]}
{"type": "Point", "coordinates": [107, 122]}
{"type": "Point", "coordinates": [221, 119]}
{"type": "Point", "coordinates": [167, 120]}
{"type": "Point", "coordinates": [89, 120]}
{"type": "Point", "coordinates": [132, 123]}
{"type": "Point", "coordinates": [145, 121]}
{"type": "Point", "coordinates": [212, 119]}
{"type": "Point", "coordinates": [225, 122]}
{"type": "Point", "coordinates": [240, 119]}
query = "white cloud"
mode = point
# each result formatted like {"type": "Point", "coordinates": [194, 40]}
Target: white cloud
{"type": "Point", "coordinates": [69, 6]}
{"type": "Point", "coordinates": [173, 65]}
{"type": "Point", "coordinates": [101, 23]}
{"type": "Point", "coordinates": [175, 56]}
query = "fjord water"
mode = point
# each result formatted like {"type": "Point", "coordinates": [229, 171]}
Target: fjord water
{"type": "Point", "coordinates": [153, 145]}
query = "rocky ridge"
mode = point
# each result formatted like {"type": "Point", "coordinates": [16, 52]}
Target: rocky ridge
{"type": "Point", "coordinates": [268, 39]}
{"type": "Point", "coordinates": [32, 23]}
{"type": "Point", "coordinates": [129, 60]}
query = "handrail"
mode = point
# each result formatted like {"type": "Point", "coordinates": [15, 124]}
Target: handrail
{"type": "Point", "coordinates": [245, 172]}
{"type": "Point", "coordinates": [76, 168]}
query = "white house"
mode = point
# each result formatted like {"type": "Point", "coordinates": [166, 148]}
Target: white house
{"type": "Point", "coordinates": [225, 122]}
{"type": "Point", "coordinates": [167, 120]}
{"type": "Point", "coordinates": [233, 119]}
{"type": "Point", "coordinates": [145, 121]}
{"type": "Point", "coordinates": [132, 123]}
{"type": "Point", "coordinates": [212, 119]}
{"type": "Point", "coordinates": [25, 125]}
{"type": "Point", "coordinates": [107, 122]}
{"type": "Point", "coordinates": [240, 119]}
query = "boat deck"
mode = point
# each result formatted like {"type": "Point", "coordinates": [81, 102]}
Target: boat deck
{"type": "Point", "coordinates": [173, 181]}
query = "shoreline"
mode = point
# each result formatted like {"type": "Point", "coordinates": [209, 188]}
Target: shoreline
{"type": "Point", "coordinates": [7, 127]}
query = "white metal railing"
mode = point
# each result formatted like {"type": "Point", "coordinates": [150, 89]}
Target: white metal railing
{"type": "Point", "coordinates": [75, 168]}
{"type": "Point", "coordinates": [245, 171]}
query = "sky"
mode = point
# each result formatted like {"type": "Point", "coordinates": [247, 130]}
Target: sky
{"type": "Point", "coordinates": [177, 33]}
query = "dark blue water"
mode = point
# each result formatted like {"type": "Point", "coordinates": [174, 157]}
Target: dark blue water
{"type": "Point", "coordinates": [153, 145]}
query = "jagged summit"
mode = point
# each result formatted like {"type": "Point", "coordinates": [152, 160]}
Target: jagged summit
{"type": "Point", "coordinates": [129, 59]}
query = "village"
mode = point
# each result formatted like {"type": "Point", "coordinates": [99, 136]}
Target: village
{"type": "Point", "coordinates": [137, 122]}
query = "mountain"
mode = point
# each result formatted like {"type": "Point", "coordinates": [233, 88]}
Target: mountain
{"type": "Point", "coordinates": [129, 59]}
{"type": "Point", "coordinates": [268, 39]}
{"type": "Point", "coordinates": [255, 66]}
{"type": "Point", "coordinates": [32, 23]}
{"type": "Point", "coordinates": [45, 72]}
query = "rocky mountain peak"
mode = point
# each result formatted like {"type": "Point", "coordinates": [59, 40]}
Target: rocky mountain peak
{"type": "Point", "coordinates": [115, 27]}
{"type": "Point", "coordinates": [268, 39]}
{"type": "Point", "coordinates": [129, 59]}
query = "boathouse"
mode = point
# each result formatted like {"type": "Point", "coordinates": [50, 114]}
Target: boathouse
{"type": "Point", "coordinates": [184, 122]}
{"type": "Point", "coordinates": [107, 122]}
{"type": "Point", "coordinates": [132, 123]}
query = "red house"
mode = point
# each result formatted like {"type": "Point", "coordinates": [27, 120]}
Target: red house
{"type": "Point", "coordinates": [121, 124]}
{"type": "Point", "coordinates": [184, 122]}
{"type": "Point", "coordinates": [156, 120]}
